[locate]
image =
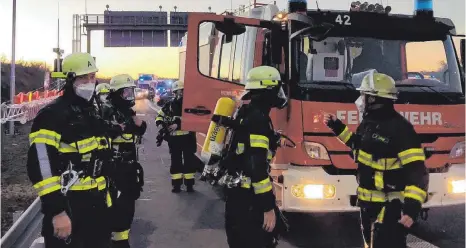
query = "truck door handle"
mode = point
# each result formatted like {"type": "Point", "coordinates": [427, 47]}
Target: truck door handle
{"type": "Point", "coordinates": [198, 110]}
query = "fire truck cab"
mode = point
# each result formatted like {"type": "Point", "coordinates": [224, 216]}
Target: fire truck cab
{"type": "Point", "coordinates": [323, 56]}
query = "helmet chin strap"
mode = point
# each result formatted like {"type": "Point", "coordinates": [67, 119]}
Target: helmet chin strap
{"type": "Point", "coordinates": [376, 103]}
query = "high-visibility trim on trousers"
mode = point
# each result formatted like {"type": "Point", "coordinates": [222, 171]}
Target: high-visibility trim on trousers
{"type": "Point", "coordinates": [119, 236]}
{"type": "Point", "coordinates": [177, 176]}
{"type": "Point", "coordinates": [189, 176]}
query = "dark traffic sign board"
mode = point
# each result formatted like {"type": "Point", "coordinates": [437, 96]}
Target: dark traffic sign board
{"type": "Point", "coordinates": [139, 37]}
{"type": "Point", "coordinates": [139, 28]}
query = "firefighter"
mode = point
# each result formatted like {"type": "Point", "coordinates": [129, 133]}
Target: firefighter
{"type": "Point", "coordinates": [391, 173]}
{"type": "Point", "coordinates": [102, 91]}
{"type": "Point", "coordinates": [250, 211]}
{"type": "Point", "coordinates": [128, 175]}
{"type": "Point", "coordinates": [182, 144]}
{"type": "Point", "coordinates": [65, 162]}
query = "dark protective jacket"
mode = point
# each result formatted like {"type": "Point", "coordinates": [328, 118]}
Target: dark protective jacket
{"type": "Point", "coordinates": [250, 152]}
{"type": "Point", "coordinates": [390, 159]}
{"type": "Point", "coordinates": [66, 131]}
{"type": "Point", "coordinates": [125, 141]}
{"type": "Point", "coordinates": [170, 114]}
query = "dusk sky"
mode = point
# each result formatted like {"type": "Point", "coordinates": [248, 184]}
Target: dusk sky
{"type": "Point", "coordinates": [36, 32]}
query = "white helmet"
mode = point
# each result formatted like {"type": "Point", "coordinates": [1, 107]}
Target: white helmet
{"type": "Point", "coordinates": [178, 85]}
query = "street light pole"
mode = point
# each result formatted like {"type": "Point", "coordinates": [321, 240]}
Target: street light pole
{"type": "Point", "coordinates": [13, 65]}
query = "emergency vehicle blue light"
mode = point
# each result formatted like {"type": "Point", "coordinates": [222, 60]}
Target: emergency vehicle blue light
{"type": "Point", "coordinates": [423, 5]}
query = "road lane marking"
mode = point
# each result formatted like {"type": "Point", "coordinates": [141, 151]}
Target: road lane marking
{"type": "Point", "coordinates": [415, 242]}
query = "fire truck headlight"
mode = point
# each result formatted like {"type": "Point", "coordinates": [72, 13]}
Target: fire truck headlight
{"type": "Point", "coordinates": [313, 191]}
{"type": "Point", "coordinates": [457, 186]}
{"type": "Point", "coordinates": [316, 150]}
{"type": "Point", "coordinates": [458, 150]}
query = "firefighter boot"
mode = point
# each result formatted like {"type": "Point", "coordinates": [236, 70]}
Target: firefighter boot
{"type": "Point", "coordinates": [176, 189]}
{"type": "Point", "coordinates": [190, 188]}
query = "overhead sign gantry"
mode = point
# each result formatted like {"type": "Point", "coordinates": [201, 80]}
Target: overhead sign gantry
{"type": "Point", "coordinates": [131, 28]}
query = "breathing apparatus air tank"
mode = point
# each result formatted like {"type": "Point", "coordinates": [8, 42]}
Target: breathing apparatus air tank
{"type": "Point", "coordinates": [215, 138]}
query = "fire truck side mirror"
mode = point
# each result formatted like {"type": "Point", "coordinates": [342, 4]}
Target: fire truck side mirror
{"type": "Point", "coordinates": [462, 64]}
{"type": "Point", "coordinates": [462, 53]}
{"type": "Point", "coordinates": [278, 41]}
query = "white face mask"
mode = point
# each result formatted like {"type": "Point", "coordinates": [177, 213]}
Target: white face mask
{"type": "Point", "coordinates": [361, 105]}
{"type": "Point", "coordinates": [85, 91]}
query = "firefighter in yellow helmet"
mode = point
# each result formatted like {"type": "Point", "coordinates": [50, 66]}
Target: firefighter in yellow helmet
{"type": "Point", "coordinates": [68, 152]}
{"type": "Point", "coordinates": [251, 217]}
{"type": "Point", "coordinates": [127, 176]}
{"type": "Point", "coordinates": [102, 91]}
{"type": "Point", "coordinates": [392, 176]}
{"type": "Point", "coordinates": [182, 144]}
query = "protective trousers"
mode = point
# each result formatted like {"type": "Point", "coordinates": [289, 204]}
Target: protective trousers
{"type": "Point", "coordinates": [243, 222]}
{"type": "Point", "coordinates": [183, 159]}
{"type": "Point", "coordinates": [122, 217]}
{"type": "Point", "coordinates": [128, 189]}
{"type": "Point", "coordinates": [89, 219]}
{"type": "Point", "coordinates": [380, 227]}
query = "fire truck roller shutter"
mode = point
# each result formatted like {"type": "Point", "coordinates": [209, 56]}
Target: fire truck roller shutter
{"type": "Point", "coordinates": [214, 142]}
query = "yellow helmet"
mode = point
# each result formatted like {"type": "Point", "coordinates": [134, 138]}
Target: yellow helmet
{"type": "Point", "coordinates": [178, 85]}
{"type": "Point", "coordinates": [121, 81]}
{"type": "Point", "coordinates": [102, 88]}
{"type": "Point", "coordinates": [262, 77]}
{"type": "Point", "coordinates": [79, 64]}
{"type": "Point", "coordinates": [379, 84]}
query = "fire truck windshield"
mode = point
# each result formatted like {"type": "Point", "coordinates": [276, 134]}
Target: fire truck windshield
{"type": "Point", "coordinates": [421, 69]}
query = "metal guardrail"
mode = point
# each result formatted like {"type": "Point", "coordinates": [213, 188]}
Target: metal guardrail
{"type": "Point", "coordinates": [25, 230]}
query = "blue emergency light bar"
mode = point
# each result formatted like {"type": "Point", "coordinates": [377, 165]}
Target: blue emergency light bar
{"type": "Point", "coordinates": [423, 8]}
{"type": "Point", "coordinates": [423, 5]}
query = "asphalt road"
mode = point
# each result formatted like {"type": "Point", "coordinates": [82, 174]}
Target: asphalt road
{"type": "Point", "coordinates": [167, 220]}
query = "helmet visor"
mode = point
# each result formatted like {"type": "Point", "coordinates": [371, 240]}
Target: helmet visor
{"type": "Point", "coordinates": [282, 99]}
{"type": "Point", "coordinates": [128, 94]}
